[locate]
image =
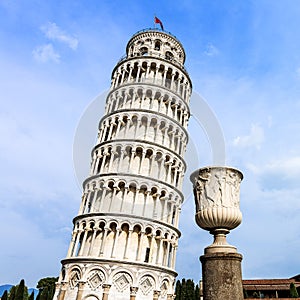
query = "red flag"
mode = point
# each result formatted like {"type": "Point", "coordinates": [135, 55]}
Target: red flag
{"type": "Point", "coordinates": [158, 21]}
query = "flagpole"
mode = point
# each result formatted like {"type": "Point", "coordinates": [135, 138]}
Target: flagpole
{"type": "Point", "coordinates": [154, 21]}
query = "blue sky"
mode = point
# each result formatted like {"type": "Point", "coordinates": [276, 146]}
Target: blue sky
{"type": "Point", "coordinates": [57, 57]}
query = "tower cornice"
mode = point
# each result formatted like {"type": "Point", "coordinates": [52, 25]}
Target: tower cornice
{"type": "Point", "coordinates": [146, 111]}
{"type": "Point", "coordinates": [113, 262]}
{"type": "Point", "coordinates": [128, 217]}
{"type": "Point", "coordinates": [155, 32]}
{"type": "Point", "coordinates": [120, 141]}
{"type": "Point", "coordinates": [128, 175]}
{"type": "Point", "coordinates": [125, 58]}
{"type": "Point", "coordinates": [147, 85]}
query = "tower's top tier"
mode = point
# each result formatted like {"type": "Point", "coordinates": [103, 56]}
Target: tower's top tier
{"type": "Point", "coordinates": [157, 43]}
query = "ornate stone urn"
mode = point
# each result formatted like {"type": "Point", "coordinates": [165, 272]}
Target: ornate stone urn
{"type": "Point", "coordinates": [217, 193]}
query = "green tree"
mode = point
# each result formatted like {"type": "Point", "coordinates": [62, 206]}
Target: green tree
{"type": "Point", "coordinates": [46, 282]}
{"type": "Point", "coordinates": [38, 295]}
{"type": "Point", "coordinates": [183, 289]}
{"type": "Point", "coordinates": [31, 297]}
{"type": "Point", "coordinates": [51, 292]}
{"type": "Point", "coordinates": [21, 291]}
{"type": "Point", "coordinates": [178, 290]}
{"type": "Point", "coordinates": [197, 292]}
{"type": "Point", "coordinates": [190, 290]}
{"type": "Point", "coordinates": [12, 293]}
{"type": "Point", "coordinates": [4, 296]}
{"type": "Point", "coordinates": [293, 291]}
{"type": "Point", "coordinates": [186, 290]}
{"type": "Point", "coordinates": [46, 288]}
{"type": "Point", "coordinates": [44, 293]}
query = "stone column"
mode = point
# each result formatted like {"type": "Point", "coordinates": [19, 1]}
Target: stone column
{"type": "Point", "coordinates": [92, 241]}
{"type": "Point", "coordinates": [139, 251]}
{"type": "Point", "coordinates": [101, 252]}
{"type": "Point", "coordinates": [174, 256]}
{"type": "Point", "coordinates": [216, 191]}
{"type": "Point", "coordinates": [106, 288]}
{"type": "Point", "coordinates": [146, 200]}
{"type": "Point", "coordinates": [155, 75]}
{"type": "Point", "coordinates": [83, 242]}
{"type": "Point", "coordinates": [103, 194]}
{"type": "Point", "coordinates": [164, 78]}
{"type": "Point", "coordinates": [111, 158]}
{"type": "Point", "coordinates": [74, 250]}
{"type": "Point", "coordinates": [156, 295]}
{"type": "Point", "coordinates": [159, 257]}
{"type": "Point", "coordinates": [72, 244]}
{"type": "Point", "coordinates": [161, 103]}
{"type": "Point", "coordinates": [123, 74]}
{"type": "Point", "coordinates": [138, 73]}
{"type": "Point", "coordinates": [118, 128]}
{"type": "Point", "coordinates": [128, 244]}
{"type": "Point", "coordinates": [222, 276]}
{"type": "Point", "coordinates": [133, 291]}
{"type": "Point", "coordinates": [80, 290]}
{"type": "Point", "coordinates": [130, 72]}
{"type": "Point", "coordinates": [115, 243]}
{"type": "Point", "coordinates": [133, 202]}
{"type": "Point", "coordinates": [62, 291]}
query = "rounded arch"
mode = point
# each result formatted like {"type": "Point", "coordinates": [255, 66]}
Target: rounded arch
{"type": "Point", "coordinates": [147, 283]}
{"type": "Point", "coordinates": [74, 275]}
{"type": "Point", "coordinates": [137, 227]}
{"type": "Point", "coordinates": [163, 193]}
{"type": "Point", "coordinates": [63, 274]}
{"type": "Point", "coordinates": [113, 225]}
{"type": "Point", "coordinates": [148, 230]}
{"type": "Point", "coordinates": [121, 183]}
{"type": "Point", "coordinates": [132, 182]}
{"type": "Point", "coordinates": [91, 224]}
{"type": "Point", "coordinates": [110, 184]}
{"type": "Point", "coordinates": [124, 226]}
{"type": "Point", "coordinates": [169, 55]}
{"type": "Point", "coordinates": [83, 225]}
{"type": "Point", "coordinates": [157, 45]}
{"type": "Point", "coordinates": [158, 232]}
{"type": "Point", "coordinates": [144, 186]}
{"type": "Point", "coordinates": [120, 272]}
{"type": "Point", "coordinates": [166, 286]}
{"type": "Point", "coordinates": [91, 296]}
{"type": "Point", "coordinates": [101, 224]}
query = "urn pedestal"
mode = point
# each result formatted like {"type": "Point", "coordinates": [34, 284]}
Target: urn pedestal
{"type": "Point", "coordinates": [216, 191]}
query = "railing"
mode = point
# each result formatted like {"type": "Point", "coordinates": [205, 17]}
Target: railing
{"type": "Point", "coordinates": [158, 82]}
{"type": "Point", "coordinates": [173, 61]}
{"type": "Point", "coordinates": [155, 29]}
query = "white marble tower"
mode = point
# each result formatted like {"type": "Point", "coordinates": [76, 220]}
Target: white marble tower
{"type": "Point", "coordinates": [126, 232]}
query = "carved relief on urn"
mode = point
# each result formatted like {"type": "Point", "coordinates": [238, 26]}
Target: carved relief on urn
{"type": "Point", "coordinates": [217, 193]}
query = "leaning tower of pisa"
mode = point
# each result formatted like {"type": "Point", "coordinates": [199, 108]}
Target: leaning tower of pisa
{"type": "Point", "coordinates": [126, 233]}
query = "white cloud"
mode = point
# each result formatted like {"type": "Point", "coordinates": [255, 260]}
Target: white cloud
{"type": "Point", "coordinates": [53, 32]}
{"type": "Point", "coordinates": [277, 177]}
{"type": "Point", "coordinates": [289, 167]}
{"type": "Point", "coordinates": [255, 138]}
{"type": "Point", "coordinates": [211, 50]}
{"type": "Point", "coordinates": [46, 53]}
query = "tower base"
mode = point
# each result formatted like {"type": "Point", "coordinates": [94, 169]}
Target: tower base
{"type": "Point", "coordinates": [222, 276]}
